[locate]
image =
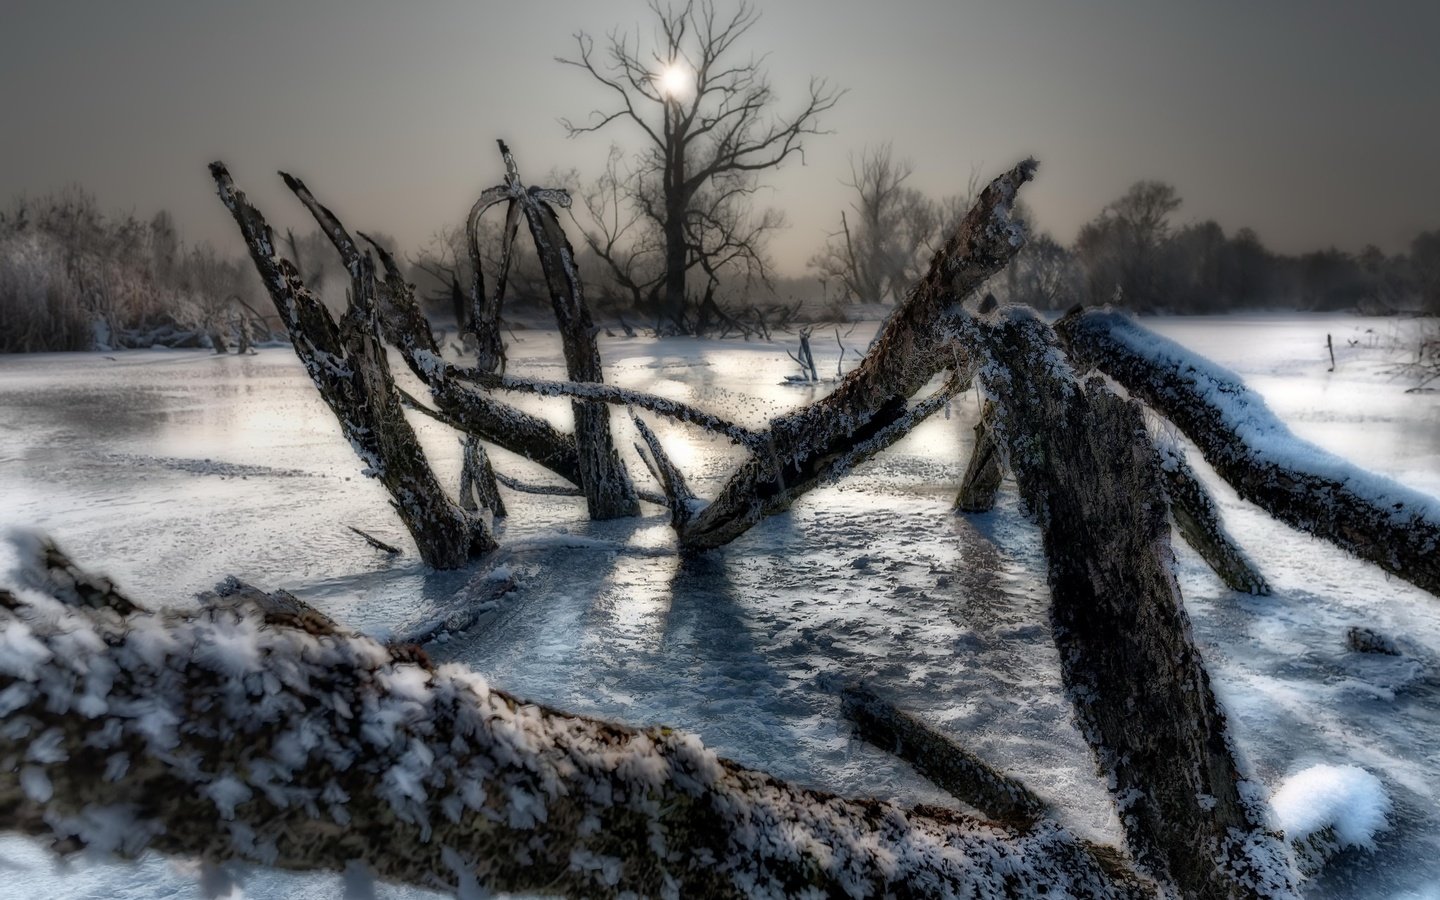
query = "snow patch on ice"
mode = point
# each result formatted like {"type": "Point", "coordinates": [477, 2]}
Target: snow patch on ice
{"type": "Point", "coordinates": [1346, 798]}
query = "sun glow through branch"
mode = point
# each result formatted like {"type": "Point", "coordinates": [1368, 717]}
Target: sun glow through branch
{"type": "Point", "coordinates": [675, 81]}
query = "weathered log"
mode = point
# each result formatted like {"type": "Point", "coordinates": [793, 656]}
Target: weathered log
{"type": "Point", "coordinates": [983, 472]}
{"type": "Point", "coordinates": [348, 365]}
{"type": "Point", "coordinates": [1089, 476]}
{"type": "Point", "coordinates": [224, 736]}
{"type": "Point", "coordinates": [609, 493]}
{"type": "Point", "coordinates": [1373, 517]}
{"type": "Point", "coordinates": [806, 445]}
{"type": "Point", "coordinates": [952, 768]}
{"type": "Point", "coordinates": [1198, 521]}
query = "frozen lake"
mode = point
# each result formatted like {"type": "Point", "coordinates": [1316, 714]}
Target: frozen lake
{"type": "Point", "coordinates": [169, 470]}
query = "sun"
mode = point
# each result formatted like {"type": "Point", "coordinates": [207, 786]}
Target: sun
{"type": "Point", "coordinates": [675, 81]}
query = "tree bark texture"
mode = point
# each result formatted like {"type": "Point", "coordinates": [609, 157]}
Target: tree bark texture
{"type": "Point", "coordinates": [983, 472]}
{"type": "Point", "coordinates": [1087, 471]}
{"type": "Point", "coordinates": [238, 734]}
{"type": "Point", "coordinates": [1375, 518]}
{"type": "Point", "coordinates": [348, 365]}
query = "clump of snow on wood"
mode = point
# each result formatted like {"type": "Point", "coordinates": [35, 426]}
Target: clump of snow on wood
{"type": "Point", "coordinates": [1347, 799]}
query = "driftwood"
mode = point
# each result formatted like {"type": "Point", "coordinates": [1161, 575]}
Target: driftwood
{"type": "Point", "coordinates": [1376, 519]}
{"type": "Point", "coordinates": [1090, 477]}
{"type": "Point", "coordinates": [236, 735]}
{"type": "Point", "coordinates": [952, 768]}
{"type": "Point", "coordinates": [1198, 521]}
{"type": "Point", "coordinates": [983, 472]}
{"type": "Point", "coordinates": [348, 365]}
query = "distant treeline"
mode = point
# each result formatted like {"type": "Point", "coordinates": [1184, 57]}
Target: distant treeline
{"type": "Point", "coordinates": [72, 278]}
{"type": "Point", "coordinates": [1132, 255]}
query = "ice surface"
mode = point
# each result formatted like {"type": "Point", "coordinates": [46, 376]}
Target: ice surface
{"type": "Point", "coordinates": [170, 470]}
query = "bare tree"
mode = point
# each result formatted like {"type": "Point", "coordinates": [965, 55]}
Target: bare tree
{"type": "Point", "coordinates": [885, 243]}
{"type": "Point", "coordinates": [1120, 248]}
{"type": "Point", "coordinates": [707, 123]}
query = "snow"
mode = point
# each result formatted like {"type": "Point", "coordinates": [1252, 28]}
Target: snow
{"type": "Point", "coordinates": [1346, 798]}
{"type": "Point", "coordinates": [169, 471]}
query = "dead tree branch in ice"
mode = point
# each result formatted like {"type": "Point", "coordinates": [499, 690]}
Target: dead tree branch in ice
{"type": "Point", "coordinates": [238, 735]}
{"type": "Point", "coordinates": [608, 491]}
{"type": "Point", "coordinates": [806, 446]}
{"type": "Point", "coordinates": [1373, 517]}
{"type": "Point", "coordinates": [952, 768]}
{"type": "Point", "coordinates": [1198, 521]}
{"type": "Point", "coordinates": [1091, 479]}
{"type": "Point", "coordinates": [348, 365]}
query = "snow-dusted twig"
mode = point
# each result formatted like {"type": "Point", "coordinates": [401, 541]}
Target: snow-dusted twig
{"type": "Point", "coordinates": [608, 393]}
{"type": "Point", "coordinates": [1369, 515]}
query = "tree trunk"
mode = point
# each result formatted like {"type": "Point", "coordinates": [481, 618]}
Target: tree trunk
{"type": "Point", "coordinates": [253, 734]}
{"type": "Point", "coordinates": [348, 364]}
{"type": "Point", "coordinates": [1373, 517]}
{"type": "Point", "coordinates": [609, 493]}
{"type": "Point", "coordinates": [1090, 476]}
{"type": "Point", "coordinates": [676, 246]}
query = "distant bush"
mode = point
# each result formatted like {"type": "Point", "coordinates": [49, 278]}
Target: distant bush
{"type": "Point", "coordinates": [73, 279]}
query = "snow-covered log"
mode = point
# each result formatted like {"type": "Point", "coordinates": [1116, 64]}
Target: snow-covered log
{"type": "Point", "coordinates": [1371, 516]}
{"type": "Point", "coordinates": [982, 473]}
{"type": "Point", "coordinates": [1090, 477]}
{"type": "Point", "coordinates": [806, 446]}
{"type": "Point", "coordinates": [233, 736]}
{"type": "Point", "coordinates": [609, 493]}
{"type": "Point", "coordinates": [1198, 521]}
{"type": "Point", "coordinates": [348, 365]}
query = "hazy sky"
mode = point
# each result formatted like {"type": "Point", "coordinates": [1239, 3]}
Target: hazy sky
{"type": "Point", "coordinates": [1314, 122]}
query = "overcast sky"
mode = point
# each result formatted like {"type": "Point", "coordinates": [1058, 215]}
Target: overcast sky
{"type": "Point", "coordinates": [1315, 122]}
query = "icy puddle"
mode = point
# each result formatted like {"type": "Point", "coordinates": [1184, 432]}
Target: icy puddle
{"type": "Point", "coordinates": [169, 470]}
